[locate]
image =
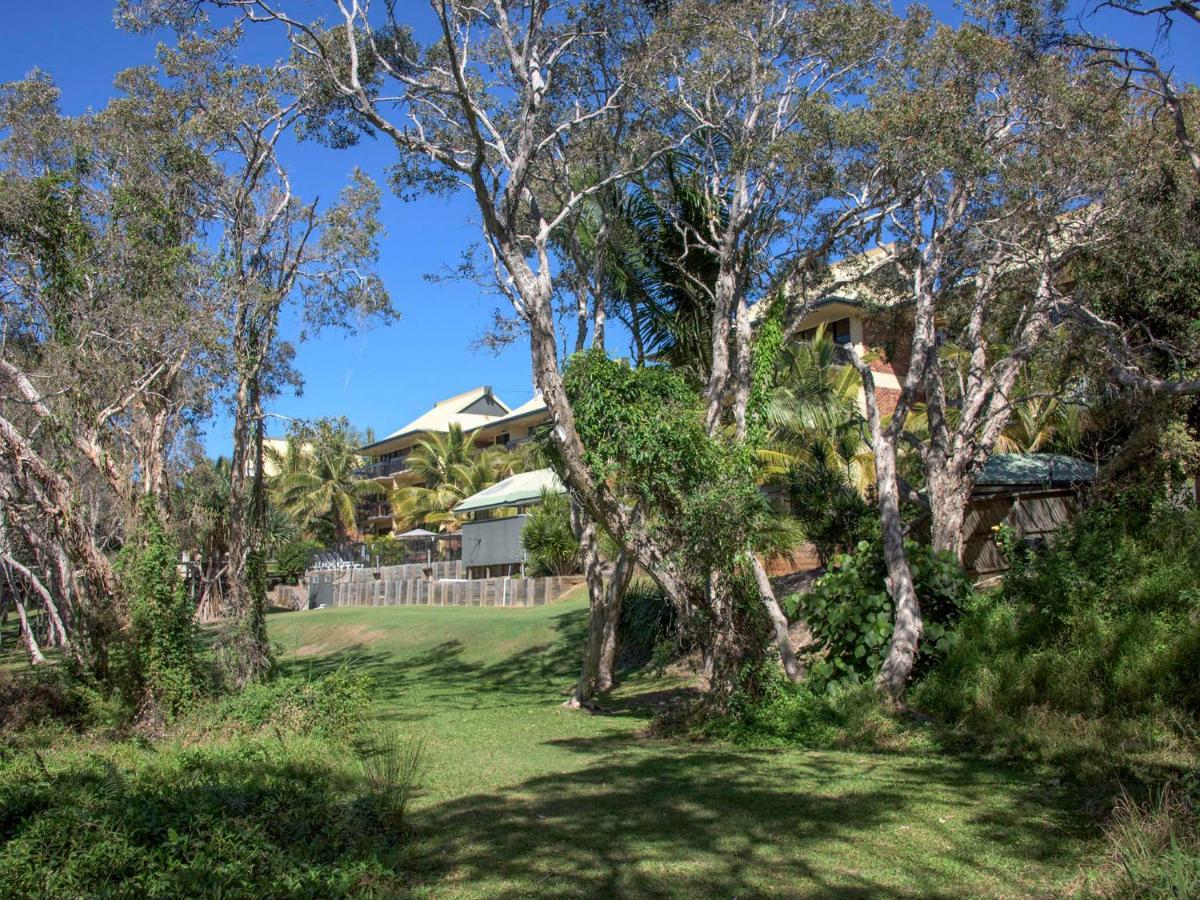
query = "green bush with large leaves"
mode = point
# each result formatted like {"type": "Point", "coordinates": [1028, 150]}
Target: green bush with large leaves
{"type": "Point", "coordinates": [851, 616]}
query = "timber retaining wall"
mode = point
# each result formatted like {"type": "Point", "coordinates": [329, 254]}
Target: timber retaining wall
{"type": "Point", "coordinates": [330, 589]}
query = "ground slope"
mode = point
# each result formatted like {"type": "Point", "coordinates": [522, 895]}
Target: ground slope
{"type": "Point", "coordinates": [522, 797]}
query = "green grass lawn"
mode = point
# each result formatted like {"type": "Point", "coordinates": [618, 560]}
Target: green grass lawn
{"type": "Point", "coordinates": [522, 797]}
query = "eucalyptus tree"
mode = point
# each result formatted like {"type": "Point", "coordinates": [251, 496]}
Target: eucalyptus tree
{"type": "Point", "coordinates": [1145, 71]}
{"type": "Point", "coordinates": [273, 251]}
{"type": "Point", "coordinates": [1007, 161]}
{"type": "Point", "coordinates": [104, 296]}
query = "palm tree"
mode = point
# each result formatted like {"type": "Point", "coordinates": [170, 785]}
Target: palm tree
{"type": "Point", "coordinates": [451, 469]}
{"type": "Point", "coordinates": [816, 450]}
{"type": "Point", "coordinates": [319, 486]}
{"type": "Point", "coordinates": [815, 418]}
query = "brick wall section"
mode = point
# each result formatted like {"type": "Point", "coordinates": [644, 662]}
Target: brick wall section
{"type": "Point", "coordinates": [890, 334]}
{"type": "Point", "coordinates": [886, 400]}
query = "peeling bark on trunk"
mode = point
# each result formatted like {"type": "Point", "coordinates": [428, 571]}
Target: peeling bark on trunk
{"type": "Point", "coordinates": [948, 498]}
{"type": "Point", "coordinates": [31, 644]}
{"type": "Point", "coordinates": [907, 628]}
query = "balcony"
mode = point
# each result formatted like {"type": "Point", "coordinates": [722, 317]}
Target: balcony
{"type": "Point", "coordinates": [382, 469]}
{"type": "Point", "coordinates": [369, 511]}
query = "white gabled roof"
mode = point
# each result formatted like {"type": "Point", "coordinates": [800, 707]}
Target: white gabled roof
{"type": "Point", "coordinates": [450, 412]}
{"type": "Point", "coordinates": [528, 408]}
{"type": "Point", "coordinates": [521, 489]}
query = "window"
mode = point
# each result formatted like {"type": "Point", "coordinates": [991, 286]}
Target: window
{"type": "Point", "coordinates": [838, 331]}
{"type": "Point", "coordinates": [501, 439]}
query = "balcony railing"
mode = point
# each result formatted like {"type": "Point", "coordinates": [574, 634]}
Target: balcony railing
{"type": "Point", "coordinates": [380, 510]}
{"type": "Point", "coordinates": [382, 469]}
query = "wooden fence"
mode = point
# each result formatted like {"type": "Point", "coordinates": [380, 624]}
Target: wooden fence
{"type": "Point", "coordinates": [1033, 515]}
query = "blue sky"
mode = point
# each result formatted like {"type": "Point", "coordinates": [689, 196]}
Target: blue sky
{"type": "Point", "coordinates": [382, 377]}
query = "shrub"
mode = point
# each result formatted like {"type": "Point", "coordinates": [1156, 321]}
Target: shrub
{"type": "Point", "coordinates": [385, 550]}
{"type": "Point", "coordinates": [291, 561]}
{"type": "Point", "coordinates": [850, 613]}
{"type": "Point", "coordinates": [831, 514]}
{"type": "Point", "coordinates": [778, 713]}
{"type": "Point", "coordinates": [51, 696]}
{"type": "Point", "coordinates": [1088, 643]}
{"type": "Point", "coordinates": [548, 538]}
{"type": "Point", "coordinates": [648, 628]}
{"type": "Point", "coordinates": [1153, 846]}
{"type": "Point", "coordinates": [391, 766]}
{"type": "Point", "coordinates": [253, 816]}
{"type": "Point", "coordinates": [334, 705]}
{"type": "Point", "coordinates": [162, 671]}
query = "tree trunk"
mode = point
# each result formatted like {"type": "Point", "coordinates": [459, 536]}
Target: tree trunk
{"type": "Point", "coordinates": [948, 497]}
{"type": "Point", "coordinates": [31, 644]}
{"type": "Point", "coordinates": [902, 651]}
{"type": "Point", "coordinates": [723, 663]}
{"type": "Point", "coordinates": [614, 594]}
{"type": "Point", "coordinates": [779, 623]}
{"type": "Point", "coordinates": [593, 570]}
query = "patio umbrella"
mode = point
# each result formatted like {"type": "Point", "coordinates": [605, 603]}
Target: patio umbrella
{"type": "Point", "coordinates": [416, 534]}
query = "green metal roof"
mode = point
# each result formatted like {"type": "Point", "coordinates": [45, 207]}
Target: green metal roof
{"type": "Point", "coordinates": [1034, 468]}
{"type": "Point", "coordinates": [522, 489]}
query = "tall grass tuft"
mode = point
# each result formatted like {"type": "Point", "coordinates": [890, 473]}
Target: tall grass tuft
{"type": "Point", "coordinates": [392, 766]}
{"type": "Point", "coordinates": [1153, 847]}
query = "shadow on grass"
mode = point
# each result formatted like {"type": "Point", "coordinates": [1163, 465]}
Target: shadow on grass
{"type": "Point", "coordinates": [680, 822]}
{"type": "Point", "coordinates": [657, 821]}
{"type": "Point", "coordinates": [639, 818]}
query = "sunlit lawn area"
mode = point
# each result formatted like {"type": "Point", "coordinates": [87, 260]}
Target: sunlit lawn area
{"type": "Point", "coordinates": [523, 797]}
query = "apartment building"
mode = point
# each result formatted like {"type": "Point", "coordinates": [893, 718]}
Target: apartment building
{"type": "Point", "coordinates": [479, 412]}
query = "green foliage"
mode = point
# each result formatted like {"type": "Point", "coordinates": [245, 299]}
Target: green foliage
{"type": "Point", "coordinates": [449, 468]}
{"type": "Point", "coordinates": [392, 765]}
{"type": "Point", "coordinates": [1154, 845]}
{"type": "Point", "coordinates": [52, 698]}
{"type": "Point", "coordinates": [260, 816]}
{"type": "Point", "coordinates": [642, 426]}
{"type": "Point", "coordinates": [387, 550]}
{"type": "Point", "coordinates": [163, 673]}
{"type": "Point", "coordinates": [244, 653]}
{"type": "Point", "coordinates": [643, 430]}
{"type": "Point", "coordinates": [832, 515]}
{"type": "Point", "coordinates": [548, 539]}
{"type": "Point", "coordinates": [1096, 635]}
{"type": "Point", "coordinates": [850, 613]}
{"type": "Point", "coordinates": [317, 484]}
{"type": "Point", "coordinates": [292, 559]}
{"type": "Point", "coordinates": [775, 712]}
{"type": "Point", "coordinates": [648, 629]}
{"type": "Point", "coordinates": [334, 706]}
